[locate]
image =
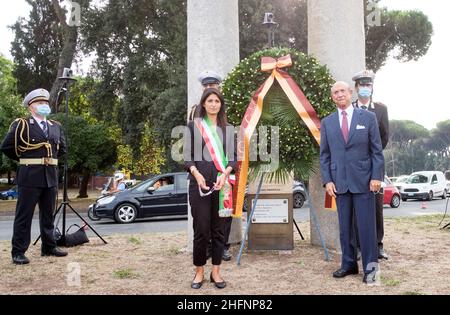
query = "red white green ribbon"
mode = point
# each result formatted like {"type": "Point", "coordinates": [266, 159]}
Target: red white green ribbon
{"type": "Point", "coordinates": [215, 148]}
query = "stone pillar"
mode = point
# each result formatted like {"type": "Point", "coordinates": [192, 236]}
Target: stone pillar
{"type": "Point", "coordinates": [213, 44]}
{"type": "Point", "coordinates": [336, 38]}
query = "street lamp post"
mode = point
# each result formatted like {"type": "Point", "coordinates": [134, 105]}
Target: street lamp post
{"type": "Point", "coordinates": [271, 27]}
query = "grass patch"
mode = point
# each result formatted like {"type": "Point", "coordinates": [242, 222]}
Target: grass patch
{"type": "Point", "coordinates": [135, 240]}
{"type": "Point", "coordinates": [390, 282]}
{"type": "Point", "coordinates": [124, 274]}
{"type": "Point", "coordinates": [174, 251]}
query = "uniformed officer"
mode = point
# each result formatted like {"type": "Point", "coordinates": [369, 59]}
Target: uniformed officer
{"type": "Point", "coordinates": [36, 143]}
{"type": "Point", "coordinates": [208, 79]}
{"type": "Point", "coordinates": [364, 87]}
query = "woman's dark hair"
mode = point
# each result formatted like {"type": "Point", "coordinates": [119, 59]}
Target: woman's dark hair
{"type": "Point", "coordinates": [221, 115]}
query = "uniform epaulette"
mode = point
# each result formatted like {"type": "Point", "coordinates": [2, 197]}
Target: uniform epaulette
{"type": "Point", "coordinates": [55, 122]}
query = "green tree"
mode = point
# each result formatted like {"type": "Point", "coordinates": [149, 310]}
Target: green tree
{"type": "Point", "coordinates": [406, 151]}
{"type": "Point", "coordinates": [43, 46]}
{"type": "Point", "coordinates": [404, 132]}
{"type": "Point", "coordinates": [92, 148]}
{"type": "Point", "coordinates": [147, 69]}
{"type": "Point", "coordinates": [438, 145]}
{"type": "Point", "coordinates": [404, 34]}
{"type": "Point", "coordinates": [151, 157]}
{"type": "Point", "coordinates": [36, 47]}
{"type": "Point", "coordinates": [10, 108]}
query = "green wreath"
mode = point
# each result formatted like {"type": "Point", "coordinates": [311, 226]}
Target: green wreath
{"type": "Point", "coordinates": [298, 149]}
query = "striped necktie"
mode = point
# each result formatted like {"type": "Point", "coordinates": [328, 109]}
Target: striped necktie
{"type": "Point", "coordinates": [44, 128]}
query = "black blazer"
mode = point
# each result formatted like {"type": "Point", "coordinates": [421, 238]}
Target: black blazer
{"type": "Point", "coordinates": [203, 160]}
{"type": "Point", "coordinates": [40, 176]}
{"type": "Point", "coordinates": [381, 112]}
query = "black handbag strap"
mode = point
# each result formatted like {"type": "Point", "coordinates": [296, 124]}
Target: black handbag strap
{"type": "Point", "coordinates": [79, 227]}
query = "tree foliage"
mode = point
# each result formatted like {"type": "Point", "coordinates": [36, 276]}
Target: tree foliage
{"type": "Point", "coordinates": [406, 35]}
{"type": "Point", "coordinates": [91, 147]}
{"type": "Point", "coordinates": [412, 147]}
{"type": "Point", "coordinates": [36, 47]}
{"type": "Point", "coordinates": [151, 157]}
{"type": "Point", "coordinates": [43, 46]}
{"type": "Point", "coordinates": [10, 107]}
{"type": "Point", "coordinates": [141, 49]}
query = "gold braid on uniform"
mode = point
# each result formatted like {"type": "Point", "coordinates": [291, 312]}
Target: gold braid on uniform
{"type": "Point", "coordinates": [22, 125]}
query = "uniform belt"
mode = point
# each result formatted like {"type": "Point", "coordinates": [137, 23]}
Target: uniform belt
{"type": "Point", "coordinates": [41, 161]}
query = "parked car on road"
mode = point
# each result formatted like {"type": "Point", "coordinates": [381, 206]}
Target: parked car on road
{"type": "Point", "coordinates": [9, 194]}
{"type": "Point", "coordinates": [399, 179]}
{"type": "Point", "coordinates": [392, 196]}
{"type": "Point", "coordinates": [424, 185]}
{"type": "Point", "coordinates": [162, 195]}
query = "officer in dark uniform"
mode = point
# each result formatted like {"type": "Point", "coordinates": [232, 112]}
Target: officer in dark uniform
{"type": "Point", "coordinates": [36, 143]}
{"type": "Point", "coordinates": [364, 87]}
{"type": "Point", "coordinates": [208, 79]}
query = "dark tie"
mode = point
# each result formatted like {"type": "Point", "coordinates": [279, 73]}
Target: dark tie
{"type": "Point", "coordinates": [364, 107]}
{"type": "Point", "coordinates": [44, 128]}
{"type": "Point", "coordinates": [344, 126]}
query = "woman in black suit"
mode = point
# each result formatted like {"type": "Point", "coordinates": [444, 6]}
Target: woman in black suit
{"type": "Point", "coordinates": [207, 177]}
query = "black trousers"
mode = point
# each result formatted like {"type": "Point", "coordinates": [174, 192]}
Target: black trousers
{"type": "Point", "coordinates": [28, 198]}
{"type": "Point", "coordinates": [379, 198]}
{"type": "Point", "coordinates": [207, 226]}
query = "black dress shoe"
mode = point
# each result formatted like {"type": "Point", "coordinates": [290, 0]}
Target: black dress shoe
{"type": "Point", "coordinates": [341, 273]}
{"type": "Point", "coordinates": [370, 278]}
{"type": "Point", "coordinates": [20, 259]}
{"type": "Point", "coordinates": [226, 256]}
{"type": "Point", "coordinates": [219, 285]}
{"type": "Point", "coordinates": [197, 285]}
{"type": "Point", "coordinates": [382, 254]}
{"type": "Point", "coordinates": [55, 251]}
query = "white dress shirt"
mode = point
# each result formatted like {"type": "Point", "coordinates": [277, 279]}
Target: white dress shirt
{"type": "Point", "coordinates": [38, 120]}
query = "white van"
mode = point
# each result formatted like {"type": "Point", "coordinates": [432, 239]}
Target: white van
{"type": "Point", "coordinates": [424, 185]}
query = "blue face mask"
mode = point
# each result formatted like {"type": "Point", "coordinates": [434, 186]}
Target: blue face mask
{"type": "Point", "coordinates": [43, 110]}
{"type": "Point", "coordinates": [365, 92]}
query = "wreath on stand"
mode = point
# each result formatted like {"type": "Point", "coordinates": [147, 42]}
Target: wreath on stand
{"type": "Point", "coordinates": [298, 148]}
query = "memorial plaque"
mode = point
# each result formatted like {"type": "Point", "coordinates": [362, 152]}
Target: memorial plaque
{"type": "Point", "coordinates": [271, 211]}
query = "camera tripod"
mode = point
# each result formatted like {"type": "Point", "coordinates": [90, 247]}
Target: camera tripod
{"type": "Point", "coordinates": [67, 79]}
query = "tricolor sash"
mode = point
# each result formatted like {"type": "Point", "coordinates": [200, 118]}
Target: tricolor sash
{"type": "Point", "coordinates": [215, 149]}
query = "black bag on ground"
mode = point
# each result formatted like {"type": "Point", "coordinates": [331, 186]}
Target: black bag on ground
{"type": "Point", "coordinates": [79, 237]}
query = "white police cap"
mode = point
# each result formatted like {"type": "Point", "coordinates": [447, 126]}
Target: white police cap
{"type": "Point", "coordinates": [35, 96]}
{"type": "Point", "coordinates": [209, 77]}
{"type": "Point", "coordinates": [364, 77]}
